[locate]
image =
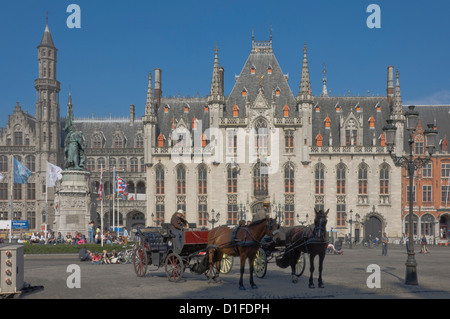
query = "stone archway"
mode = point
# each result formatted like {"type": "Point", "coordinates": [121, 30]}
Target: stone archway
{"type": "Point", "coordinates": [135, 219]}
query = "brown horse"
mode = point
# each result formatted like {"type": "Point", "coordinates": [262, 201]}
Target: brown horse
{"type": "Point", "coordinates": [242, 241]}
{"type": "Point", "coordinates": [308, 239]}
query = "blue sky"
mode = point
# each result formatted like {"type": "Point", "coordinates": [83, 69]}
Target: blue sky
{"type": "Point", "coordinates": [106, 62]}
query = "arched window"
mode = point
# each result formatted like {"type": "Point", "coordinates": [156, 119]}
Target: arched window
{"type": "Point", "coordinates": [123, 164]}
{"type": "Point", "coordinates": [289, 183]}
{"type": "Point", "coordinates": [202, 180]}
{"type": "Point", "coordinates": [134, 166]}
{"type": "Point", "coordinates": [261, 179]}
{"type": "Point", "coordinates": [18, 138]}
{"type": "Point", "coordinates": [90, 165]}
{"type": "Point", "coordinates": [384, 179]}
{"type": "Point", "coordinates": [3, 163]}
{"type": "Point", "coordinates": [362, 179]}
{"type": "Point", "coordinates": [160, 181]}
{"type": "Point", "coordinates": [419, 144]}
{"type": "Point", "coordinates": [97, 141]}
{"type": "Point", "coordinates": [118, 141]}
{"type": "Point", "coordinates": [31, 163]}
{"type": "Point", "coordinates": [261, 138]}
{"type": "Point", "coordinates": [112, 162]}
{"type": "Point", "coordinates": [340, 179]}
{"type": "Point", "coordinates": [232, 182]}
{"type": "Point", "coordinates": [319, 178]}
{"type": "Point", "coordinates": [139, 141]}
{"type": "Point", "coordinates": [181, 180]}
{"type": "Point", "coordinates": [100, 164]}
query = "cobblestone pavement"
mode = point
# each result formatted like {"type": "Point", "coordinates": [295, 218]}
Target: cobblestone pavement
{"type": "Point", "coordinates": [345, 277]}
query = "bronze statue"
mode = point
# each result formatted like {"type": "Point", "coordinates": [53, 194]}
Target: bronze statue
{"type": "Point", "coordinates": [74, 144]}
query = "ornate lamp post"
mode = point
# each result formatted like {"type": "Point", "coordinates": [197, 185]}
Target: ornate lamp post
{"type": "Point", "coordinates": [350, 221]}
{"type": "Point", "coordinates": [278, 213]}
{"type": "Point", "coordinates": [411, 164]}
{"type": "Point", "coordinates": [214, 219]}
{"type": "Point", "coordinates": [242, 214]}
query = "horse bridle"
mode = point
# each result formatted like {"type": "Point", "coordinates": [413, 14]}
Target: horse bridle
{"type": "Point", "coordinates": [319, 231]}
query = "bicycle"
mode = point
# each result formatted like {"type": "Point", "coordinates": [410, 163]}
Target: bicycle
{"type": "Point", "coordinates": [125, 257]}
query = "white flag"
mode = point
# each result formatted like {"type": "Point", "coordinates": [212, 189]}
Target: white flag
{"type": "Point", "coordinates": [53, 174]}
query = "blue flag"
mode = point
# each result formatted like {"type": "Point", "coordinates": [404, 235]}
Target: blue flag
{"type": "Point", "coordinates": [21, 173]}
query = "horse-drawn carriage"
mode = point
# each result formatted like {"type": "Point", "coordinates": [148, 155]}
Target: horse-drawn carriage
{"type": "Point", "coordinates": [156, 247]}
{"type": "Point", "coordinates": [274, 249]}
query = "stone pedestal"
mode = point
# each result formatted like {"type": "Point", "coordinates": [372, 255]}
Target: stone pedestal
{"type": "Point", "coordinates": [73, 213]}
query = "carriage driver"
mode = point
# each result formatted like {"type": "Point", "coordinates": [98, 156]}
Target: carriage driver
{"type": "Point", "coordinates": [178, 224]}
{"type": "Point", "coordinates": [262, 212]}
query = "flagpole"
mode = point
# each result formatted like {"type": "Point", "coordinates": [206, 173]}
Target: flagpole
{"type": "Point", "coordinates": [46, 212]}
{"type": "Point", "coordinates": [101, 203]}
{"type": "Point", "coordinates": [114, 197]}
{"type": "Point", "coordinates": [11, 208]}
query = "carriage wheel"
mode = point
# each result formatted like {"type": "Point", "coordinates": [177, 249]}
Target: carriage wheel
{"type": "Point", "coordinates": [174, 267]}
{"type": "Point", "coordinates": [260, 263]}
{"type": "Point", "coordinates": [140, 261]}
{"type": "Point", "coordinates": [300, 266]}
{"type": "Point", "coordinates": [226, 264]}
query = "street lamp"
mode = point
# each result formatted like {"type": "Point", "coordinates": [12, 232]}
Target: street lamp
{"type": "Point", "coordinates": [350, 221]}
{"type": "Point", "coordinates": [411, 165]}
{"type": "Point", "coordinates": [214, 219]}
{"type": "Point", "coordinates": [278, 213]}
{"type": "Point", "coordinates": [242, 215]}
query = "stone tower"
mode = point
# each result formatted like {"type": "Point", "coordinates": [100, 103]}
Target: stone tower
{"type": "Point", "coordinates": [47, 103]}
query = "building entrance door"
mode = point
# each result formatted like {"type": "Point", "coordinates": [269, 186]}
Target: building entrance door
{"type": "Point", "coordinates": [373, 227]}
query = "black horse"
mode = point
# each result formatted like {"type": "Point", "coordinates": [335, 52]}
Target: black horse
{"type": "Point", "coordinates": [310, 239]}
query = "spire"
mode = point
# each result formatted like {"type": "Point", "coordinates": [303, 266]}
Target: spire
{"type": "Point", "coordinates": [324, 87]}
{"type": "Point", "coordinates": [305, 83]}
{"type": "Point", "coordinates": [149, 104]}
{"type": "Point", "coordinates": [216, 87]}
{"type": "Point", "coordinates": [47, 40]}
{"type": "Point", "coordinates": [398, 109]}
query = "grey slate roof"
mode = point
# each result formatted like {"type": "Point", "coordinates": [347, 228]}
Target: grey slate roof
{"type": "Point", "coordinates": [327, 106]}
{"type": "Point", "coordinates": [47, 39]}
{"type": "Point", "coordinates": [432, 114]}
{"type": "Point", "coordinates": [176, 112]}
{"type": "Point", "coordinates": [261, 62]}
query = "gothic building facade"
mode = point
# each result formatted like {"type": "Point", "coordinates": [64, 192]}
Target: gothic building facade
{"type": "Point", "coordinates": [220, 157]}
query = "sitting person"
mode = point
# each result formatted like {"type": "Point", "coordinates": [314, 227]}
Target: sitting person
{"type": "Point", "coordinates": [82, 240]}
{"type": "Point", "coordinates": [113, 257]}
{"type": "Point", "coordinates": [84, 254]}
{"type": "Point", "coordinates": [178, 224]}
{"type": "Point", "coordinates": [34, 239]}
{"type": "Point", "coordinates": [96, 258]}
{"type": "Point", "coordinates": [105, 258]}
{"type": "Point", "coordinates": [68, 239]}
{"type": "Point", "coordinates": [331, 249]}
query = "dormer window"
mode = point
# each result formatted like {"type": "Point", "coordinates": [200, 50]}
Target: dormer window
{"type": "Point", "coordinates": [378, 107]}
{"type": "Point", "coordinates": [319, 139]}
{"type": "Point", "coordinates": [161, 140]}
{"type": "Point", "coordinates": [382, 140]}
{"type": "Point", "coordinates": [317, 108]}
{"type": "Point", "coordinates": [235, 111]}
{"type": "Point", "coordinates": [203, 140]}
{"type": "Point", "coordinates": [253, 70]}
{"type": "Point", "coordinates": [244, 92]}
{"type": "Point", "coordinates": [206, 108]}
{"type": "Point", "coordinates": [194, 123]}
{"type": "Point", "coordinates": [338, 108]}
{"type": "Point", "coordinates": [286, 111]}
{"type": "Point", "coordinates": [269, 70]}
{"type": "Point", "coordinates": [277, 92]}
{"type": "Point", "coordinates": [327, 122]}
{"type": "Point", "coordinates": [372, 122]}
{"type": "Point", "coordinates": [186, 108]}
{"type": "Point", "coordinates": [166, 109]}
{"type": "Point", "coordinates": [358, 108]}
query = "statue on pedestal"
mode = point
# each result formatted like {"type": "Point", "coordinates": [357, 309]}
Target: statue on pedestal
{"type": "Point", "coordinates": [74, 144]}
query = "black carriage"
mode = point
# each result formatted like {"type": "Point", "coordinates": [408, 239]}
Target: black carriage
{"type": "Point", "coordinates": [273, 249]}
{"type": "Point", "coordinates": [157, 247]}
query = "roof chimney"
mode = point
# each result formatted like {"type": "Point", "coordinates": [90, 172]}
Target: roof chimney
{"type": "Point", "coordinates": [390, 84]}
{"type": "Point", "coordinates": [132, 114]}
{"type": "Point", "coordinates": [158, 90]}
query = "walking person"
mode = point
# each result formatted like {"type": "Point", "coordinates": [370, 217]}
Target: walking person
{"type": "Point", "coordinates": [91, 233]}
{"type": "Point", "coordinates": [424, 245]}
{"type": "Point", "coordinates": [384, 244]}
